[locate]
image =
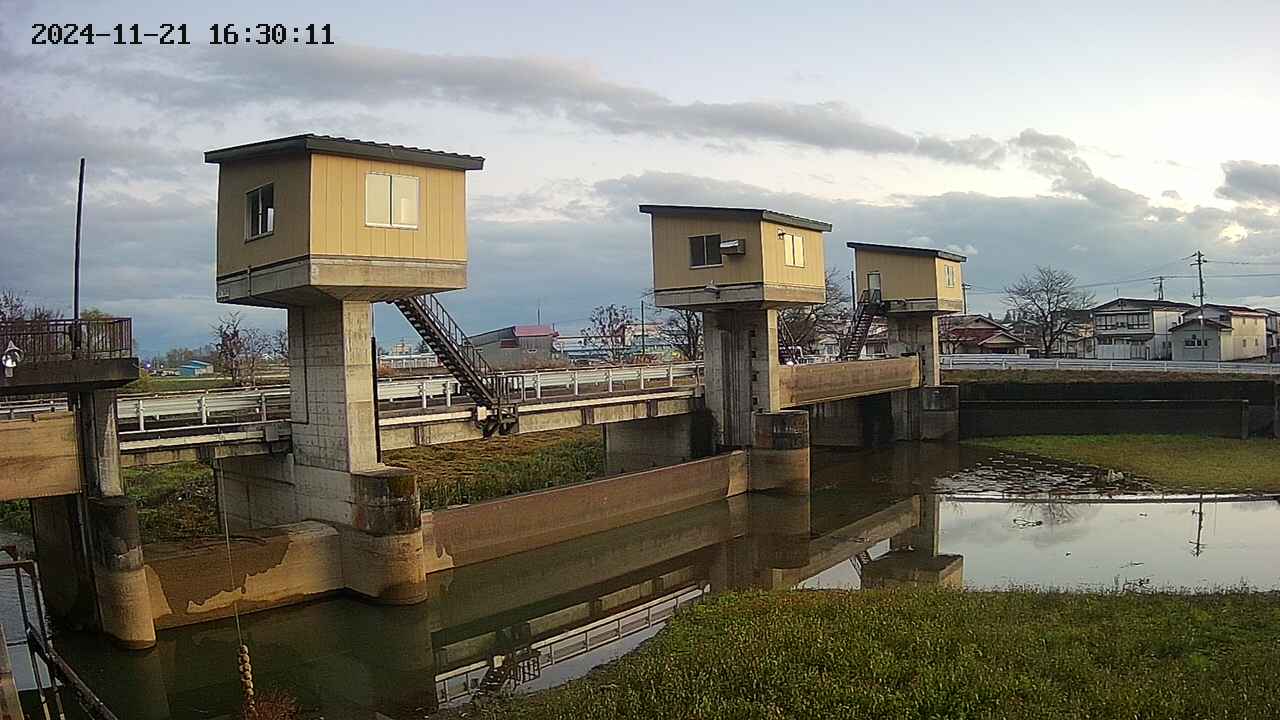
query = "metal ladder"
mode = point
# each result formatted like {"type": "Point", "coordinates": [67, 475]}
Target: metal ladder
{"type": "Point", "coordinates": [868, 310]}
{"type": "Point", "coordinates": [462, 359]}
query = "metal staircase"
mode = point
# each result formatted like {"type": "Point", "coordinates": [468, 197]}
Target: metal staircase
{"type": "Point", "coordinates": [450, 344]}
{"type": "Point", "coordinates": [869, 308]}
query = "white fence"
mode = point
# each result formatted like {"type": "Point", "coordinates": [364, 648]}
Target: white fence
{"type": "Point", "coordinates": [272, 403]}
{"type": "Point", "coordinates": [1022, 362]}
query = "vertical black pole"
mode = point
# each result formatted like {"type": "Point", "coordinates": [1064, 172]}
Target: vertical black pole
{"type": "Point", "coordinates": [377, 431]}
{"type": "Point", "coordinates": [75, 297]}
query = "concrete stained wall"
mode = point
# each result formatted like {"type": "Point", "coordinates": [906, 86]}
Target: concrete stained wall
{"type": "Point", "coordinates": [824, 382]}
{"type": "Point", "coordinates": [1261, 395]}
{"type": "Point", "coordinates": [992, 418]}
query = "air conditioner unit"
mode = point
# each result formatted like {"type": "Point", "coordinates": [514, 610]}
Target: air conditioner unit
{"type": "Point", "coordinates": [733, 247]}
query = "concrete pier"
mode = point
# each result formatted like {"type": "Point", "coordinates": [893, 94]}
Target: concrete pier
{"type": "Point", "coordinates": [124, 602]}
{"type": "Point", "coordinates": [780, 452]}
{"type": "Point", "coordinates": [741, 360]}
{"type": "Point", "coordinates": [656, 442]}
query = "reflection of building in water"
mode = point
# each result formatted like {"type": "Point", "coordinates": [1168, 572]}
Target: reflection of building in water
{"type": "Point", "coordinates": [913, 557]}
{"type": "Point", "coordinates": [533, 618]}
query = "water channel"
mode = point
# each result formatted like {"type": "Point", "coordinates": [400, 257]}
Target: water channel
{"type": "Point", "coordinates": [920, 514]}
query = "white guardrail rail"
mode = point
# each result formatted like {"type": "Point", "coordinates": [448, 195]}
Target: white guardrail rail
{"type": "Point", "coordinates": [272, 403]}
{"type": "Point", "coordinates": [1022, 362]}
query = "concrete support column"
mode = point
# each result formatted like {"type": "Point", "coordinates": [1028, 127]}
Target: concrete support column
{"type": "Point", "coordinates": [907, 408]}
{"type": "Point", "coordinates": [124, 602]}
{"type": "Point", "coordinates": [779, 455]}
{"type": "Point", "coordinates": [741, 355]}
{"type": "Point", "coordinates": [331, 382]}
{"type": "Point", "coordinates": [916, 334]}
{"type": "Point", "coordinates": [99, 442]}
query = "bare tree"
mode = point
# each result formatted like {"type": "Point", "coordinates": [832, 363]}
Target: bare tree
{"type": "Point", "coordinates": [228, 348]}
{"type": "Point", "coordinates": [280, 344]}
{"type": "Point", "coordinates": [683, 329]}
{"type": "Point", "coordinates": [804, 326]}
{"type": "Point", "coordinates": [1049, 301]}
{"type": "Point", "coordinates": [256, 346]}
{"type": "Point", "coordinates": [607, 330]}
{"type": "Point", "coordinates": [13, 306]}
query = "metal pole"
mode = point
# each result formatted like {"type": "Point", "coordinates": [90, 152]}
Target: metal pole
{"type": "Point", "coordinates": [644, 350]}
{"type": "Point", "coordinates": [373, 355]}
{"type": "Point", "coordinates": [75, 294]}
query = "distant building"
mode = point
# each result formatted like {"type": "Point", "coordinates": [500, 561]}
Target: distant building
{"type": "Point", "coordinates": [977, 335]}
{"type": "Point", "coordinates": [518, 347]}
{"type": "Point", "coordinates": [195, 368]}
{"type": "Point", "coordinates": [1136, 329]}
{"type": "Point", "coordinates": [1273, 334]}
{"type": "Point", "coordinates": [1225, 333]}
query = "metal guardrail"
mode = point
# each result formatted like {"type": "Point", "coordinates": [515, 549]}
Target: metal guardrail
{"type": "Point", "coordinates": [1020, 362]}
{"type": "Point", "coordinates": [66, 339]}
{"type": "Point", "coordinates": [136, 412]}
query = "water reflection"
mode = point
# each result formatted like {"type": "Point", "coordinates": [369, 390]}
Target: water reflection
{"type": "Point", "coordinates": [928, 514]}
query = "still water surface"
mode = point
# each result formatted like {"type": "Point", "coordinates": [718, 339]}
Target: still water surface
{"type": "Point", "coordinates": [921, 514]}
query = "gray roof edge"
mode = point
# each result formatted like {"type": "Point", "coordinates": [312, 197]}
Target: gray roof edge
{"type": "Point", "coordinates": [752, 213]}
{"type": "Point", "coordinates": [909, 250]}
{"type": "Point", "coordinates": [311, 143]}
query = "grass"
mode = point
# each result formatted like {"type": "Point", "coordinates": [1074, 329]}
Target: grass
{"type": "Point", "coordinates": [469, 472]}
{"type": "Point", "coordinates": [916, 654]}
{"type": "Point", "coordinates": [151, 384]}
{"type": "Point", "coordinates": [175, 502]}
{"type": "Point", "coordinates": [962, 377]}
{"type": "Point", "coordinates": [1179, 462]}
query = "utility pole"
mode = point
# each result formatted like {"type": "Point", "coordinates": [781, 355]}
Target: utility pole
{"type": "Point", "coordinates": [1199, 263]}
{"type": "Point", "coordinates": [1159, 287]}
{"type": "Point", "coordinates": [644, 350]}
{"type": "Point", "coordinates": [964, 294]}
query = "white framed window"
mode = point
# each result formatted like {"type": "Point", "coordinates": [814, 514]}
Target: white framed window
{"type": "Point", "coordinates": [704, 251]}
{"type": "Point", "coordinates": [391, 201]}
{"type": "Point", "coordinates": [260, 212]}
{"type": "Point", "coordinates": [949, 273]}
{"type": "Point", "coordinates": [792, 250]}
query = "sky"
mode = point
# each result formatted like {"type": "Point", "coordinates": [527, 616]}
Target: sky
{"type": "Point", "coordinates": [1112, 140]}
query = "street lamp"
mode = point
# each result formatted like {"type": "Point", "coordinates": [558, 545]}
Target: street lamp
{"type": "Point", "coordinates": [10, 358]}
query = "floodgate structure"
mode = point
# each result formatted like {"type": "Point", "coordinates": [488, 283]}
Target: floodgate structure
{"type": "Point", "coordinates": [325, 227]}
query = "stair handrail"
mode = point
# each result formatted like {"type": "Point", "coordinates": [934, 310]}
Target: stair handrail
{"type": "Point", "coordinates": [452, 333]}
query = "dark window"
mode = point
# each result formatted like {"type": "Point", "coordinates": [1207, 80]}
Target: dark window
{"type": "Point", "coordinates": [260, 212]}
{"type": "Point", "coordinates": [509, 343]}
{"type": "Point", "coordinates": [704, 250]}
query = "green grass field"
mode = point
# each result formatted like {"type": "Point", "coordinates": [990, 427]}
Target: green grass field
{"type": "Point", "coordinates": [931, 654]}
{"type": "Point", "coordinates": [482, 470]}
{"type": "Point", "coordinates": [1179, 462]}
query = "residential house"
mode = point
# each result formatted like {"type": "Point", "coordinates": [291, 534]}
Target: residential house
{"type": "Point", "coordinates": [1221, 333]}
{"type": "Point", "coordinates": [977, 335]}
{"type": "Point", "coordinates": [1136, 329]}
{"type": "Point", "coordinates": [517, 347]}
{"type": "Point", "coordinates": [195, 368]}
{"type": "Point", "coordinates": [1273, 334]}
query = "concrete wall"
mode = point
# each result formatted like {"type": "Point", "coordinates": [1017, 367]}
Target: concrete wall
{"type": "Point", "coordinates": [741, 355]}
{"type": "Point", "coordinates": [826, 382]}
{"type": "Point", "coordinates": [487, 530]}
{"type": "Point", "coordinates": [656, 442]}
{"type": "Point", "coordinates": [988, 418]}
{"type": "Point", "coordinates": [1261, 395]}
{"type": "Point", "coordinates": [271, 567]}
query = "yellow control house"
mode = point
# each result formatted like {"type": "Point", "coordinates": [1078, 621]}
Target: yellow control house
{"type": "Point", "coordinates": [909, 279]}
{"type": "Point", "coordinates": [309, 217]}
{"type": "Point", "coordinates": [708, 257]}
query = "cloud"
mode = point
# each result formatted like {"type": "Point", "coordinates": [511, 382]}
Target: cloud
{"type": "Point", "coordinates": [1250, 182]}
{"type": "Point", "coordinates": [378, 77]}
{"type": "Point", "coordinates": [1032, 140]}
{"type": "Point", "coordinates": [1071, 175]}
{"type": "Point", "coordinates": [1171, 194]}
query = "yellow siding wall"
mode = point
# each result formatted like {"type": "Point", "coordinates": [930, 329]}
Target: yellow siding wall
{"type": "Point", "coordinates": [1252, 331]}
{"type": "Point", "coordinates": [337, 212]}
{"type": "Point", "coordinates": [291, 178]}
{"type": "Point", "coordinates": [949, 293]}
{"type": "Point", "coordinates": [902, 277]}
{"type": "Point", "coordinates": [671, 252]}
{"type": "Point", "coordinates": [776, 271]}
